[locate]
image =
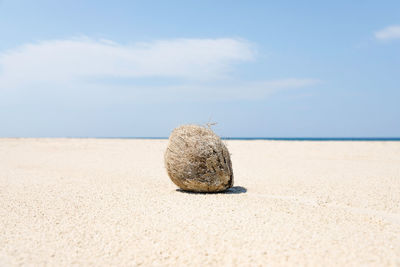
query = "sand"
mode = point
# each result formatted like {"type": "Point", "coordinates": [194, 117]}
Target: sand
{"type": "Point", "coordinates": [110, 202]}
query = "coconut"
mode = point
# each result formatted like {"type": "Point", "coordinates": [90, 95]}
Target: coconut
{"type": "Point", "coordinates": [197, 160]}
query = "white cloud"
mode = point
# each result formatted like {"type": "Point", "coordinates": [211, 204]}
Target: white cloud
{"type": "Point", "coordinates": [250, 90]}
{"type": "Point", "coordinates": [67, 60]}
{"type": "Point", "coordinates": [208, 91]}
{"type": "Point", "coordinates": [83, 67]}
{"type": "Point", "coordinates": [388, 33]}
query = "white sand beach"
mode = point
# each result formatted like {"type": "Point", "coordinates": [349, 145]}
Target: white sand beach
{"type": "Point", "coordinates": [110, 202]}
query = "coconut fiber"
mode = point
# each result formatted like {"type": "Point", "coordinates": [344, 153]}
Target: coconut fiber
{"type": "Point", "coordinates": [197, 160]}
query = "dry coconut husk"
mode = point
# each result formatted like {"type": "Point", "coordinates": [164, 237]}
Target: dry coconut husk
{"type": "Point", "coordinates": [197, 160]}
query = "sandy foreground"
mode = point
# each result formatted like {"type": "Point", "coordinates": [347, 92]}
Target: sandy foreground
{"type": "Point", "coordinates": [110, 202]}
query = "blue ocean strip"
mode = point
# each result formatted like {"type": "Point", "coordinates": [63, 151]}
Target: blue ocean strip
{"type": "Point", "coordinates": [373, 139]}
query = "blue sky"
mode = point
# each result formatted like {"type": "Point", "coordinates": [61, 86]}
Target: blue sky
{"type": "Point", "coordinates": [257, 68]}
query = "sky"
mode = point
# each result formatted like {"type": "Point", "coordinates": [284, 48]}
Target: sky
{"type": "Point", "coordinates": [256, 68]}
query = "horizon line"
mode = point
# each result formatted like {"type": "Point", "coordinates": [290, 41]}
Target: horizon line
{"type": "Point", "coordinates": [228, 138]}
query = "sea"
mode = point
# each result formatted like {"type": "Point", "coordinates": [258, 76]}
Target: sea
{"type": "Point", "coordinates": [376, 139]}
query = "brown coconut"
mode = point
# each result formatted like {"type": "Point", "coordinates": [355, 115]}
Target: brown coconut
{"type": "Point", "coordinates": [197, 160]}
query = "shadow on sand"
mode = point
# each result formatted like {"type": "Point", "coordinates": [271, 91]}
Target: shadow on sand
{"type": "Point", "coordinates": [230, 191]}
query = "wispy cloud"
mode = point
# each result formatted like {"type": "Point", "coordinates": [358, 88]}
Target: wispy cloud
{"type": "Point", "coordinates": [388, 33]}
{"type": "Point", "coordinates": [66, 60]}
{"type": "Point", "coordinates": [205, 92]}
{"type": "Point", "coordinates": [249, 90]}
{"type": "Point", "coordinates": [198, 68]}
